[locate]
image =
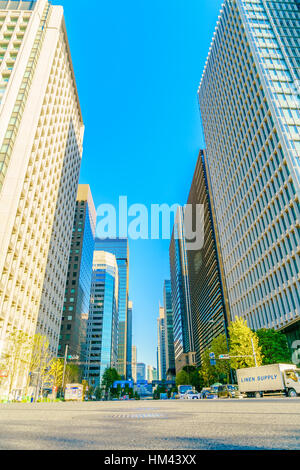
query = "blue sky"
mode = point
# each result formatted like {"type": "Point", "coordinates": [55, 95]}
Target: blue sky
{"type": "Point", "coordinates": [138, 64]}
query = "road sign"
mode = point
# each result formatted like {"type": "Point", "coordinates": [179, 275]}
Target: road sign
{"type": "Point", "coordinates": [212, 357]}
{"type": "Point", "coordinates": [224, 356]}
{"type": "Point", "coordinates": [73, 358]}
{"type": "Point", "coordinates": [123, 383]}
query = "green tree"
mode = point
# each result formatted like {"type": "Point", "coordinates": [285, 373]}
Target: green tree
{"type": "Point", "coordinates": [208, 373]}
{"type": "Point", "coordinates": [221, 371]}
{"type": "Point", "coordinates": [16, 359]}
{"type": "Point", "coordinates": [162, 388]}
{"type": "Point", "coordinates": [182, 378]}
{"type": "Point", "coordinates": [56, 372]}
{"type": "Point", "coordinates": [240, 345]}
{"type": "Point", "coordinates": [189, 375]}
{"type": "Point", "coordinates": [98, 393]}
{"type": "Point", "coordinates": [85, 388]}
{"type": "Point", "coordinates": [274, 347]}
{"type": "Point", "coordinates": [109, 377]}
{"type": "Point", "coordinates": [39, 363]}
{"type": "Point", "coordinates": [73, 374]}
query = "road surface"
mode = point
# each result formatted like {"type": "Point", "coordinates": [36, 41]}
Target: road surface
{"type": "Point", "coordinates": [153, 425]}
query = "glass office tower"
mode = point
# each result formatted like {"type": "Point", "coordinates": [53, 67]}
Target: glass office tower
{"type": "Point", "coordinates": [169, 336]}
{"type": "Point", "coordinates": [102, 332]}
{"type": "Point", "coordinates": [78, 285]}
{"type": "Point", "coordinates": [141, 372]}
{"type": "Point", "coordinates": [181, 304]}
{"type": "Point", "coordinates": [41, 136]}
{"type": "Point", "coordinates": [120, 248]}
{"type": "Point", "coordinates": [161, 349]}
{"type": "Point", "coordinates": [210, 318]}
{"type": "Point", "coordinates": [250, 108]}
{"type": "Point", "coordinates": [129, 341]}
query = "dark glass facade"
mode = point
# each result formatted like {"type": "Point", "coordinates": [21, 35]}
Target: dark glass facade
{"type": "Point", "coordinates": [209, 318]}
{"type": "Point", "coordinates": [292, 333]}
{"type": "Point", "coordinates": [78, 285]}
{"type": "Point", "coordinates": [141, 371]}
{"type": "Point", "coordinates": [120, 248]}
{"type": "Point", "coordinates": [170, 352]}
{"type": "Point", "coordinates": [182, 323]}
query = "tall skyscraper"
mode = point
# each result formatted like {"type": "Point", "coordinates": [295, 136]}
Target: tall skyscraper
{"type": "Point", "coordinates": [78, 285]}
{"type": "Point", "coordinates": [209, 315]}
{"type": "Point", "coordinates": [134, 363]}
{"type": "Point", "coordinates": [169, 336]}
{"type": "Point", "coordinates": [181, 303]}
{"type": "Point", "coordinates": [141, 371]}
{"type": "Point", "coordinates": [151, 374]}
{"type": "Point", "coordinates": [249, 102]}
{"type": "Point", "coordinates": [161, 351]}
{"type": "Point", "coordinates": [129, 341]}
{"type": "Point", "coordinates": [41, 135]}
{"type": "Point", "coordinates": [120, 248]}
{"type": "Point", "coordinates": [102, 333]}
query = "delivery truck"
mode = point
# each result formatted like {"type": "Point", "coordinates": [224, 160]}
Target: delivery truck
{"type": "Point", "coordinates": [272, 379]}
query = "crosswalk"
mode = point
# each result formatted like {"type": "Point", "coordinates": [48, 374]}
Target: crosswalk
{"type": "Point", "coordinates": [137, 416]}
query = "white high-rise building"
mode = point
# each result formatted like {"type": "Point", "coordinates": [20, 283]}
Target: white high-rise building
{"type": "Point", "coordinates": [151, 374]}
{"type": "Point", "coordinates": [41, 135]}
{"type": "Point", "coordinates": [250, 107]}
{"type": "Point", "coordinates": [134, 363]}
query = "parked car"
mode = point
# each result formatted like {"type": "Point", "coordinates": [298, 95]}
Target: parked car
{"type": "Point", "coordinates": [190, 395]}
{"type": "Point", "coordinates": [229, 391]}
{"type": "Point", "coordinates": [183, 389]}
{"type": "Point", "coordinates": [208, 394]}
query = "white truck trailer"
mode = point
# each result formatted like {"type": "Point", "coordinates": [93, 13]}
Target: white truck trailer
{"type": "Point", "coordinates": [74, 392]}
{"type": "Point", "coordinates": [271, 379]}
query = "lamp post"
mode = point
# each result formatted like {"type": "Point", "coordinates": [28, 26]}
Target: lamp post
{"type": "Point", "coordinates": [65, 365]}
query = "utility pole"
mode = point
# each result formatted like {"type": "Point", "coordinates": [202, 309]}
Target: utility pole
{"type": "Point", "coordinates": [65, 365]}
{"type": "Point", "coordinates": [254, 353]}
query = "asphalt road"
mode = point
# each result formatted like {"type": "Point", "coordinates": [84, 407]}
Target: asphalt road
{"type": "Point", "coordinates": [153, 425]}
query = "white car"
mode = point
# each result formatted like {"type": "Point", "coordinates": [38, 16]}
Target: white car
{"type": "Point", "coordinates": [190, 395]}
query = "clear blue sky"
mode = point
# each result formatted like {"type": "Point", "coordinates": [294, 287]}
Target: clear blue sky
{"type": "Point", "coordinates": [138, 64]}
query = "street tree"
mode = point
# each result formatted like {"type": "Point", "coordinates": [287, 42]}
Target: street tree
{"type": "Point", "coordinates": [73, 374]}
{"type": "Point", "coordinates": [240, 345]}
{"type": "Point", "coordinates": [274, 346]}
{"type": "Point", "coordinates": [109, 377]}
{"type": "Point", "coordinates": [56, 372]}
{"type": "Point", "coordinates": [16, 359]}
{"type": "Point", "coordinates": [98, 393]}
{"type": "Point", "coordinates": [182, 378]}
{"type": "Point", "coordinates": [221, 371]}
{"type": "Point", "coordinates": [190, 375]}
{"type": "Point", "coordinates": [85, 387]}
{"type": "Point", "coordinates": [39, 362]}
